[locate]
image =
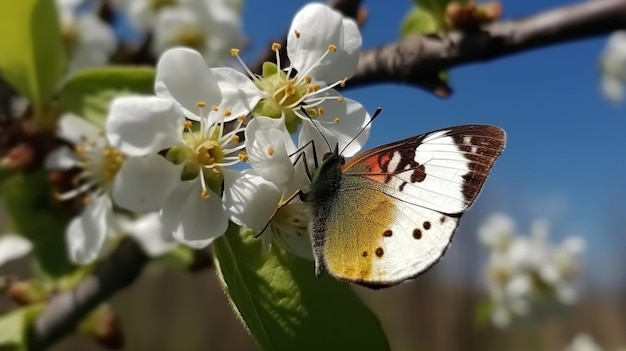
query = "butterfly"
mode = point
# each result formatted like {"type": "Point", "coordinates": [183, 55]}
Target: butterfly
{"type": "Point", "coordinates": [390, 213]}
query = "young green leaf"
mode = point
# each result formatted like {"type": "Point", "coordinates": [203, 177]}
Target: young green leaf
{"type": "Point", "coordinates": [285, 306]}
{"type": "Point", "coordinates": [32, 59]}
{"type": "Point", "coordinates": [418, 22]}
{"type": "Point", "coordinates": [30, 205]}
{"type": "Point", "coordinates": [89, 92]}
{"type": "Point", "coordinates": [14, 328]}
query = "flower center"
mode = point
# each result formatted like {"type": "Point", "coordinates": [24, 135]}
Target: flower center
{"type": "Point", "coordinates": [157, 5]}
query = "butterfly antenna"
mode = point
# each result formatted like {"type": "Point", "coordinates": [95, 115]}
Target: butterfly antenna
{"type": "Point", "coordinates": [378, 111]}
{"type": "Point", "coordinates": [330, 149]}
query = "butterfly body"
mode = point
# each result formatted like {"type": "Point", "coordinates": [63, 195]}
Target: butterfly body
{"type": "Point", "coordinates": [390, 213]}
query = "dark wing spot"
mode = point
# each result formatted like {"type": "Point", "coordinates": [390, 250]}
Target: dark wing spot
{"type": "Point", "coordinates": [426, 225]}
{"type": "Point", "coordinates": [417, 234]}
{"type": "Point", "coordinates": [401, 187]}
{"type": "Point", "coordinates": [380, 252]}
{"type": "Point", "coordinates": [442, 219]}
{"type": "Point", "coordinates": [419, 174]}
{"type": "Point", "coordinates": [364, 254]}
{"type": "Point", "coordinates": [387, 233]}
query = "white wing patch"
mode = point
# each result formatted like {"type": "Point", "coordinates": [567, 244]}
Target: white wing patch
{"type": "Point", "coordinates": [418, 239]}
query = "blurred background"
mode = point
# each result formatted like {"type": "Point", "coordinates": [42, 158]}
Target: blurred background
{"type": "Point", "coordinates": [563, 164]}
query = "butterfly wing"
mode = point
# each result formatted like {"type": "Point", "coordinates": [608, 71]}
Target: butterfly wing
{"type": "Point", "coordinates": [399, 204]}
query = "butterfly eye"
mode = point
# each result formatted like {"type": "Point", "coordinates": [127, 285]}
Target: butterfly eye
{"type": "Point", "coordinates": [326, 155]}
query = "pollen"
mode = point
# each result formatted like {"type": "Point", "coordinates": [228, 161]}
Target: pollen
{"type": "Point", "coordinates": [308, 79]}
{"type": "Point", "coordinates": [241, 118]}
{"type": "Point", "coordinates": [201, 104]}
{"type": "Point", "coordinates": [204, 194]}
{"type": "Point", "coordinates": [270, 150]}
{"type": "Point", "coordinates": [321, 111]}
{"type": "Point", "coordinates": [312, 112]}
{"type": "Point", "coordinates": [340, 98]}
{"type": "Point", "coordinates": [87, 200]}
{"type": "Point", "coordinates": [313, 88]}
{"type": "Point", "coordinates": [79, 149]}
{"type": "Point", "coordinates": [214, 108]}
{"type": "Point", "coordinates": [243, 157]}
{"type": "Point", "coordinates": [332, 48]}
{"type": "Point", "coordinates": [227, 112]}
{"type": "Point", "coordinates": [187, 124]}
{"type": "Point", "coordinates": [297, 34]}
{"type": "Point", "coordinates": [234, 52]}
{"type": "Point", "coordinates": [337, 120]}
{"type": "Point", "coordinates": [276, 47]}
{"type": "Point", "coordinates": [343, 82]}
{"type": "Point", "coordinates": [235, 138]}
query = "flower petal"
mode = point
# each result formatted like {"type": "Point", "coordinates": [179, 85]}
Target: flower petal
{"type": "Point", "coordinates": [149, 233]}
{"type": "Point", "coordinates": [250, 200]}
{"type": "Point", "coordinates": [239, 94]}
{"type": "Point", "coordinates": [143, 183]}
{"type": "Point", "coordinates": [193, 220]}
{"type": "Point", "coordinates": [62, 158]}
{"type": "Point", "coordinates": [139, 125]}
{"type": "Point", "coordinates": [183, 75]}
{"type": "Point", "coordinates": [76, 129]}
{"type": "Point", "coordinates": [345, 120]}
{"type": "Point", "coordinates": [87, 233]}
{"type": "Point", "coordinates": [13, 247]}
{"type": "Point", "coordinates": [268, 145]}
{"type": "Point", "coordinates": [320, 26]}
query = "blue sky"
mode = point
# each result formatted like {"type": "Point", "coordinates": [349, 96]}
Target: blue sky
{"type": "Point", "coordinates": [563, 160]}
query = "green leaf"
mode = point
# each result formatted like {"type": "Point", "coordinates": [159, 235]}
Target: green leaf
{"type": "Point", "coordinates": [14, 328]}
{"type": "Point", "coordinates": [418, 22]}
{"type": "Point", "coordinates": [89, 92]}
{"type": "Point", "coordinates": [32, 59]}
{"type": "Point", "coordinates": [285, 306]}
{"type": "Point", "coordinates": [35, 215]}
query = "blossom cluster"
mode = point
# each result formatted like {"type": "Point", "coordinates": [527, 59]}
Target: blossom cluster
{"type": "Point", "coordinates": [525, 273]}
{"type": "Point", "coordinates": [613, 66]}
{"type": "Point", "coordinates": [214, 145]}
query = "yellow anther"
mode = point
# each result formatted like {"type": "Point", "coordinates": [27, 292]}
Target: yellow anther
{"type": "Point", "coordinates": [276, 47]}
{"type": "Point", "coordinates": [214, 107]}
{"type": "Point", "coordinates": [204, 194]}
{"type": "Point", "coordinates": [234, 52]}
{"type": "Point", "coordinates": [87, 200]}
{"type": "Point", "coordinates": [235, 138]}
{"type": "Point", "coordinates": [79, 149]}
{"type": "Point", "coordinates": [187, 124]}
{"type": "Point", "coordinates": [340, 98]}
{"type": "Point", "coordinates": [227, 112]}
{"type": "Point", "coordinates": [343, 82]}
{"type": "Point", "coordinates": [308, 79]}
{"type": "Point", "coordinates": [201, 104]}
{"type": "Point", "coordinates": [312, 112]}
{"type": "Point", "coordinates": [270, 150]}
{"type": "Point", "coordinates": [332, 48]}
{"type": "Point", "coordinates": [320, 111]}
{"type": "Point", "coordinates": [215, 170]}
{"type": "Point", "coordinates": [297, 34]}
{"type": "Point", "coordinates": [241, 118]}
{"type": "Point", "coordinates": [243, 157]}
{"type": "Point", "coordinates": [313, 88]}
{"type": "Point", "coordinates": [337, 120]}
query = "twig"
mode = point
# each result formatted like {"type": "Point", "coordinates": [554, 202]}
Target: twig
{"type": "Point", "coordinates": [413, 60]}
{"type": "Point", "coordinates": [67, 309]}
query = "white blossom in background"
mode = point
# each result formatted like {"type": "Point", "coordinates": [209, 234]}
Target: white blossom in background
{"type": "Point", "coordinates": [524, 273]}
{"type": "Point", "coordinates": [212, 27]}
{"type": "Point", "coordinates": [88, 40]}
{"type": "Point", "coordinates": [99, 163]}
{"type": "Point", "coordinates": [182, 143]}
{"type": "Point", "coordinates": [323, 50]}
{"type": "Point", "coordinates": [613, 66]}
{"type": "Point", "coordinates": [13, 246]}
{"type": "Point", "coordinates": [583, 342]}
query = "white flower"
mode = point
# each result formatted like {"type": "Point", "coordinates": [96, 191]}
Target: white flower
{"type": "Point", "coordinates": [99, 164]}
{"type": "Point", "coordinates": [527, 271]}
{"type": "Point", "coordinates": [148, 231]}
{"type": "Point", "coordinates": [210, 26]}
{"type": "Point", "coordinates": [186, 183]}
{"type": "Point", "coordinates": [323, 50]}
{"type": "Point", "coordinates": [89, 40]}
{"type": "Point", "coordinates": [260, 199]}
{"type": "Point", "coordinates": [583, 342]}
{"type": "Point", "coordinates": [12, 247]}
{"type": "Point", "coordinates": [613, 66]}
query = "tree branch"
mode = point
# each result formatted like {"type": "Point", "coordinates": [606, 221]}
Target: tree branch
{"type": "Point", "coordinates": [417, 59]}
{"type": "Point", "coordinates": [67, 309]}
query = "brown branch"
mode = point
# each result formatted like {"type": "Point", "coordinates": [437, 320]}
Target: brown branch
{"type": "Point", "coordinates": [414, 60]}
{"type": "Point", "coordinates": [68, 308]}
